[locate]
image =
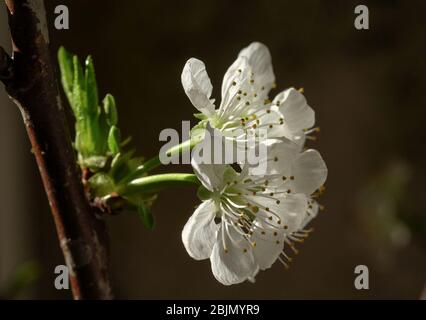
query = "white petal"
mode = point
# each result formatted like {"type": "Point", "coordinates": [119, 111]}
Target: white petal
{"type": "Point", "coordinates": [234, 74]}
{"type": "Point", "coordinates": [295, 110]}
{"type": "Point", "coordinates": [263, 202]}
{"type": "Point", "coordinates": [281, 153]}
{"type": "Point", "coordinates": [299, 138]}
{"type": "Point", "coordinates": [197, 86]}
{"type": "Point", "coordinates": [309, 171]}
{"type": "Point", "coordinates": [268, 245]}
{"type": "Point", "coordinates": [234, 265]}
{"type": "Point", "coordinates": [276, 157]}
{"type": "Point", "coordinates": [199, 233]}
{"type": "Point", "coordinates": [259, 59]}
{"type": "Point", "coordinates": [293, 211]}
{"type": "Point", "coordinates": [210, 174]}
{"type": "Point", "coordinates": [248, 79]}
{"type": "Point", "coordinates": [272, 121]}
{"type": "Point", "coordinates": [311, 213]}
{"type": "Point", "coordinates": [235, 81]}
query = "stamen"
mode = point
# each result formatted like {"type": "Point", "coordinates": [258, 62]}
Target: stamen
{"type": "Point", "coordinates": [284, 263]}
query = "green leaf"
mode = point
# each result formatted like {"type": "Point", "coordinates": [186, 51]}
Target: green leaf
{"type": "Point", "coordinates": [120, 166]}
{"type": "Point", "coordinates": [110, 110]}
{"type": "Point", "coordinates": [91, 87]}
{"type": "Point", "coordinates": [101, 184]}
{"type": "Point", "coordinates": [145, 215]}
{"type": "Point", "coordinates": [79, 91]}
{"type": "Point", "coordinates": [123, 167]}
{"type": "Point", "coordinates": [114, 140]}
{"type": "Point", "coordinates": [67, 72]}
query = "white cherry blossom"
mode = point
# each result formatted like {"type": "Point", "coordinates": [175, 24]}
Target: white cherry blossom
{"type": "Point", "coordinates": [245, 221]}
{"type": "Point", "coordinates": [245, 105]}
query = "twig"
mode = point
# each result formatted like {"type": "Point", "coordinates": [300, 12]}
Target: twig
{"type": "Point", "coordinates": [31, 83]}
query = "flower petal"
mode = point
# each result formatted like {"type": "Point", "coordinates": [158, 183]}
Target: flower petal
{"type": "Point", "coordinates": [260, 61]}
{"type": "Point", "coordinates": [248, 80]}
{"type": "Point", "coordinates": [199, 233]}
{"type": "Point", "coordinates": [297, 114]}
{"type": "Point", "coordinates": [293, 212]}
{"type": "Point", "coordinates": [275, 157]}
{"type": "Point", "coordinates": [235, 81]}
{"type": "Point", "coordinates": [281, 153]}
{"type": "Point", "coordinates": [197, 86]}
{"type": "Point", "coordinates": [210, 175]}
{"type": "Point", "coordinates": [311, 213]}
{"type": "Point", "coordinates": [269, 245]}
{"type": "Point", "coordinates": [233, 265]}
{"type": "Point", "coordinates": [203, 160]}
{"type": "Point", "coordinates": [309, 171]}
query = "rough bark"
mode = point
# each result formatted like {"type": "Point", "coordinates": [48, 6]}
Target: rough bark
{"type": "Point", "coordinates": [30, 81]}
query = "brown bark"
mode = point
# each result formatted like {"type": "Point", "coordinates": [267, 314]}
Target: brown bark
{"type": "Point", "coordinates": [30, 81]}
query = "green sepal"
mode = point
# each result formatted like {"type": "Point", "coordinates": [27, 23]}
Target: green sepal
{"type": "Point", "coordinates": [200, 116]}
{"type": "Point", "coordinates": [198, 131]}
{"type": "Point", "coordinates": [110, 110]}
{"type": "Point", "coordinates": [114, 140]}
{"type": "Point", "coordinates": [203, 194]}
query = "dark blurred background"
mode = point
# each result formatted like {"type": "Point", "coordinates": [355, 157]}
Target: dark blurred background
{"type": "Point", "coordinates": [367, 88]}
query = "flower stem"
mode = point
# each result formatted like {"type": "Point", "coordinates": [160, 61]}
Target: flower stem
{"type": "Point", "coordinates": [172, 152]}
{"type": "Point", "coordinates": [158, 182]}
{"type": "Point", "coordinates": [155, 162]}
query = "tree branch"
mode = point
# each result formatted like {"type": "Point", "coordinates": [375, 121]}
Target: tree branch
{"type": "Point", "coordinates": [31, 83]}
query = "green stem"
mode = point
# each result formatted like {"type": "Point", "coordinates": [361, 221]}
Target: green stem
{"type": "Point", "coordinates": [172, 152]}
{"type": "Point", "coordinates": [158, 182]}
{"type": "Point", "coordinates": [155, 162]}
